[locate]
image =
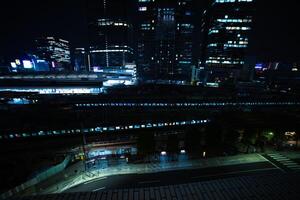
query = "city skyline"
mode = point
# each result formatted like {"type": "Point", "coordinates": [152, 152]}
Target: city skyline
{"type": "Point", "coordinates": [149, 99]}
{"type": "Point", "coordinates": [66, 20]}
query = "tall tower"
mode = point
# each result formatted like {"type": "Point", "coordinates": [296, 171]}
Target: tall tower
{"type": "Point", "coordinates": [110, 33]}
{"type": "Point", "coordinates": [226, 28]}
{"type": "Point", "coordinates": [55, 51]}
{"type": "Point", "coordinates": [165, 39]}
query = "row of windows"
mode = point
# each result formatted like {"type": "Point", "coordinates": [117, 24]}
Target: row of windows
{"type": "Point", "coordinates": [239, 42]}
{"type": "Point", "coordinates": [242, 44]}
{"type": "Point", "coordinates": [232, 1]}
{"type": "Point", "coordinates": [211, 31]}
{"type": "Point", "coordinates": [101, 129]}
{"type": "Point", "coordinates": [55, 90]}
{"type": "Point", "coordinates": [235, 45]}
{"type": "Point", "coordinates": [234, 20]}
{"type": "Point", "coordinates": [223, 58]}
{"type": "Point", "coordinates": [142, 8]}
{"type": "Point", "coordinates": [226, 62]}
{"type": "Point", "coordinates": [205, 104]}
{"type": "Point", "coordinates": [212, 45]}
{"type": "Point", "coordinates": [237, 28]}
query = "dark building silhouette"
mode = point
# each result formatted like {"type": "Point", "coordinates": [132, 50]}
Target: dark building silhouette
{"type": "Point", "coordinates": [81, 59]}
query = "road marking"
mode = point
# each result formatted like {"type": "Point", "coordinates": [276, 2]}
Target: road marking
{"type": "Point", "coordinates": [236, 172]}
{"type": "Point", "coordinates": [102, 188]}
{"type": "Point", "coordinates": [145, 182]}
{"type": "Point", "coordinates": [272, 163]}
{"type": "Point", "coordinates": [93, 180]}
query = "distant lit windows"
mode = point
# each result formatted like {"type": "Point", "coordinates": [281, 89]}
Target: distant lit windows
{"type": "Point", "coordinates": [188, 13]}
{"type": "Point", "coordinates": [224, 1]}
{"type": "Point", "coordinates": [237, 28]}
{"type": "Point", "coordinates": [232, 1]}
{"type": "Point", "coordinates": [18, 62]}
{"type": "Point", "coordinates": [27, 64]}
{"type": "Point", "coordinates": [13, 65]}
{"type": "Point", "coordinates": [224, 62]}
{"type": "Point", "coordinates": [212, 31]}
{"type": "Point", "coordinates": [145, 26]}
{"type": "Point", "coordinates": [226, 20]}
{"type": "Point", "coordinates": [235, 46]}
{"type": "Point", "coordinates": [108, 22]}
{"type": "Point", "coordinates": [212, 45]}
{"type": "Point", "coordinates": [143, 9]}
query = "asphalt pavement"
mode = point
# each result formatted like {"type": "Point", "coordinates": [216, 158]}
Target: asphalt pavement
{"type": "Point", "coordinates": [174, 177]}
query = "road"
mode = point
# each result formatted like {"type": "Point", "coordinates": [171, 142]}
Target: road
{"type": "Point", "coordinates": [174, 177]}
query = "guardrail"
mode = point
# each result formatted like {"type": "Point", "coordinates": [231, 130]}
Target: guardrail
{"type": "Point", "coordinates": [39, 178]}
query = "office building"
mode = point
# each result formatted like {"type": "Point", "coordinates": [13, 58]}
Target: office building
{"type": "Point", "coordinates": [81, 60]}
{"type": "Point", "coordinates": [165, 40]}
{"type": "Point", "coordinates": [110, 33]}
{"type": "Point", "coordinates": [225, 33]}
{"type": "Point", "coordinates": [29, 63]}
{"type": "Point", "coordinates": [56, 51]}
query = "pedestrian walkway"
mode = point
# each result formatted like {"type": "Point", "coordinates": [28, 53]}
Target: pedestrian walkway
{"type": "Point", "coordinates": [287, 162]}
{"type": "Point", "coordinates": [275, 186]}
{"type": "Point", "coordinates": [152, 168]}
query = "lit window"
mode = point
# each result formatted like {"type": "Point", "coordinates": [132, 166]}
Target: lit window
{"type": "Point", "coordinates": [142, 9]}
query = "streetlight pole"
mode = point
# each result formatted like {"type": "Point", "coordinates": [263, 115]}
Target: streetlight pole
{"type": "Point", "coordinates": [83, 141]}
{"type": "Point", "coordinates": [83, 146]}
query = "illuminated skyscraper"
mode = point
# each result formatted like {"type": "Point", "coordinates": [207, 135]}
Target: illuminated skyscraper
{"type": "Point", "coordinates": [55, 51]}
{"type": "Point", "coordinates": [165, 39]}
{"type": "Point", "coordinates": [225, 30]}
{"type": "Point", "coordinates": [110, 40]}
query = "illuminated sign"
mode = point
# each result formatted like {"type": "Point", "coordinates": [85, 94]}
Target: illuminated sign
{"type": "Point", "coordinates": [27, 64]}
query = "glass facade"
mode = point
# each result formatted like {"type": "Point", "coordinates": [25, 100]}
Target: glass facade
{"type": "Point", "coordinates": [110, 33]}
{"type": "Point", "coordinates": [226, 26]}
{"type": "Point", "coordinates": [54, 50]}
{"type": "Point", "coordinates": [165, 38]}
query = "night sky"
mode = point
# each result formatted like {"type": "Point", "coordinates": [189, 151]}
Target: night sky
{"type": "Point", "coordinates": [275, 35]}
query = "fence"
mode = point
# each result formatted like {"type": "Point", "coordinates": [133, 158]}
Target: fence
{"type": "Point", "coordinates": [39, 178]}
